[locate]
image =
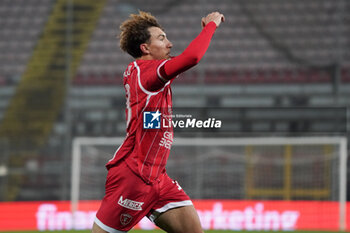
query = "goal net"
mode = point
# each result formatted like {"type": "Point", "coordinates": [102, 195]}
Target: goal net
{"type": "Point", "coordinates": [277, 168]}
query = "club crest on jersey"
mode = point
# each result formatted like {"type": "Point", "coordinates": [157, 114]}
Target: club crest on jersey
{"type": "Point", "coordinates": [130, 204]}
{"type": "Point", "coordinates": [151, 120]}
{"type": "Point", "coordinates": [125, 219]}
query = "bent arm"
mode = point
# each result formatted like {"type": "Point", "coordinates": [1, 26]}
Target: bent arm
{"type": "Point", "coordinates": [190, 56]}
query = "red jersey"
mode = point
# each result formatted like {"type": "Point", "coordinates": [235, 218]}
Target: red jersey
{"type": "Point", "coordinates": [146, 150]}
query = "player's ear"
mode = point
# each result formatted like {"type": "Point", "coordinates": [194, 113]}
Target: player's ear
{"type": "Point", "coordinates": [144, 48]}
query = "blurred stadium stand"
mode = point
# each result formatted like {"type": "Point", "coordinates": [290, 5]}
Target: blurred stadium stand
{"type": "Point", "coordinates": [21, 24]}
{"type": "Point", "coordinates": [267, 54]}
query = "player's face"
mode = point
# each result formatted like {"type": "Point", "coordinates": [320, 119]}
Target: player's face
{"type": "Point", "coordinates": [159, 46]}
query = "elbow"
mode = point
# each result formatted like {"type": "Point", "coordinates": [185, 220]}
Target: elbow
{"type": "Point", "coordinates": [196, 59]}
{"type": "Point", "coordinates": [193, 59]}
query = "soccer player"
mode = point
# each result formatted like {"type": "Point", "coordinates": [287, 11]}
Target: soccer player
{"type": "Point", "coordinates": [137, 184]}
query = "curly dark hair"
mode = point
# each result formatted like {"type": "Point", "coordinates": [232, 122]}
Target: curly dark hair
{"type": "Point", "coordinates": [134, 32]}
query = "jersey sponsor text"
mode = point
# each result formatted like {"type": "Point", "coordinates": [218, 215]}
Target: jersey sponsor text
{"type": "Point", "coordinates": [130, 204]}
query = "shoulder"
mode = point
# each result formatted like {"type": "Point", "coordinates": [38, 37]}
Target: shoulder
{"type": "Point", "coordinates": [148, 74]}
{"type": "Point", "coordinates": [150, 64]}
{"type": "Point", "coordinates": [152, 68]}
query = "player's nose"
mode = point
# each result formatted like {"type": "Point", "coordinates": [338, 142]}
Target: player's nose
{"type": "Point", "coordinates": [170, 45]}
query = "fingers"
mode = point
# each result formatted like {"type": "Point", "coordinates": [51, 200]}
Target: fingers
{"type": "Point", "coordinates": [203, 22]}
{"type": "Point", "coordinates": [216, 17]}
{"type": "Point", "coordinates": [222, 18]}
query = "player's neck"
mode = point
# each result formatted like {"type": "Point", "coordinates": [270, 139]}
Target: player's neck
{"type": "Point", "coordinates": [146, 57]}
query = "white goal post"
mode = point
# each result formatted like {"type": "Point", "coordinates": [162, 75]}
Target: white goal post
{"type": "Point", "coordinates": [251, 154]}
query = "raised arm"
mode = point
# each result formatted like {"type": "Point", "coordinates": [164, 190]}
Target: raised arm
{"type": "Point", "coordinates": [196, 49]}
